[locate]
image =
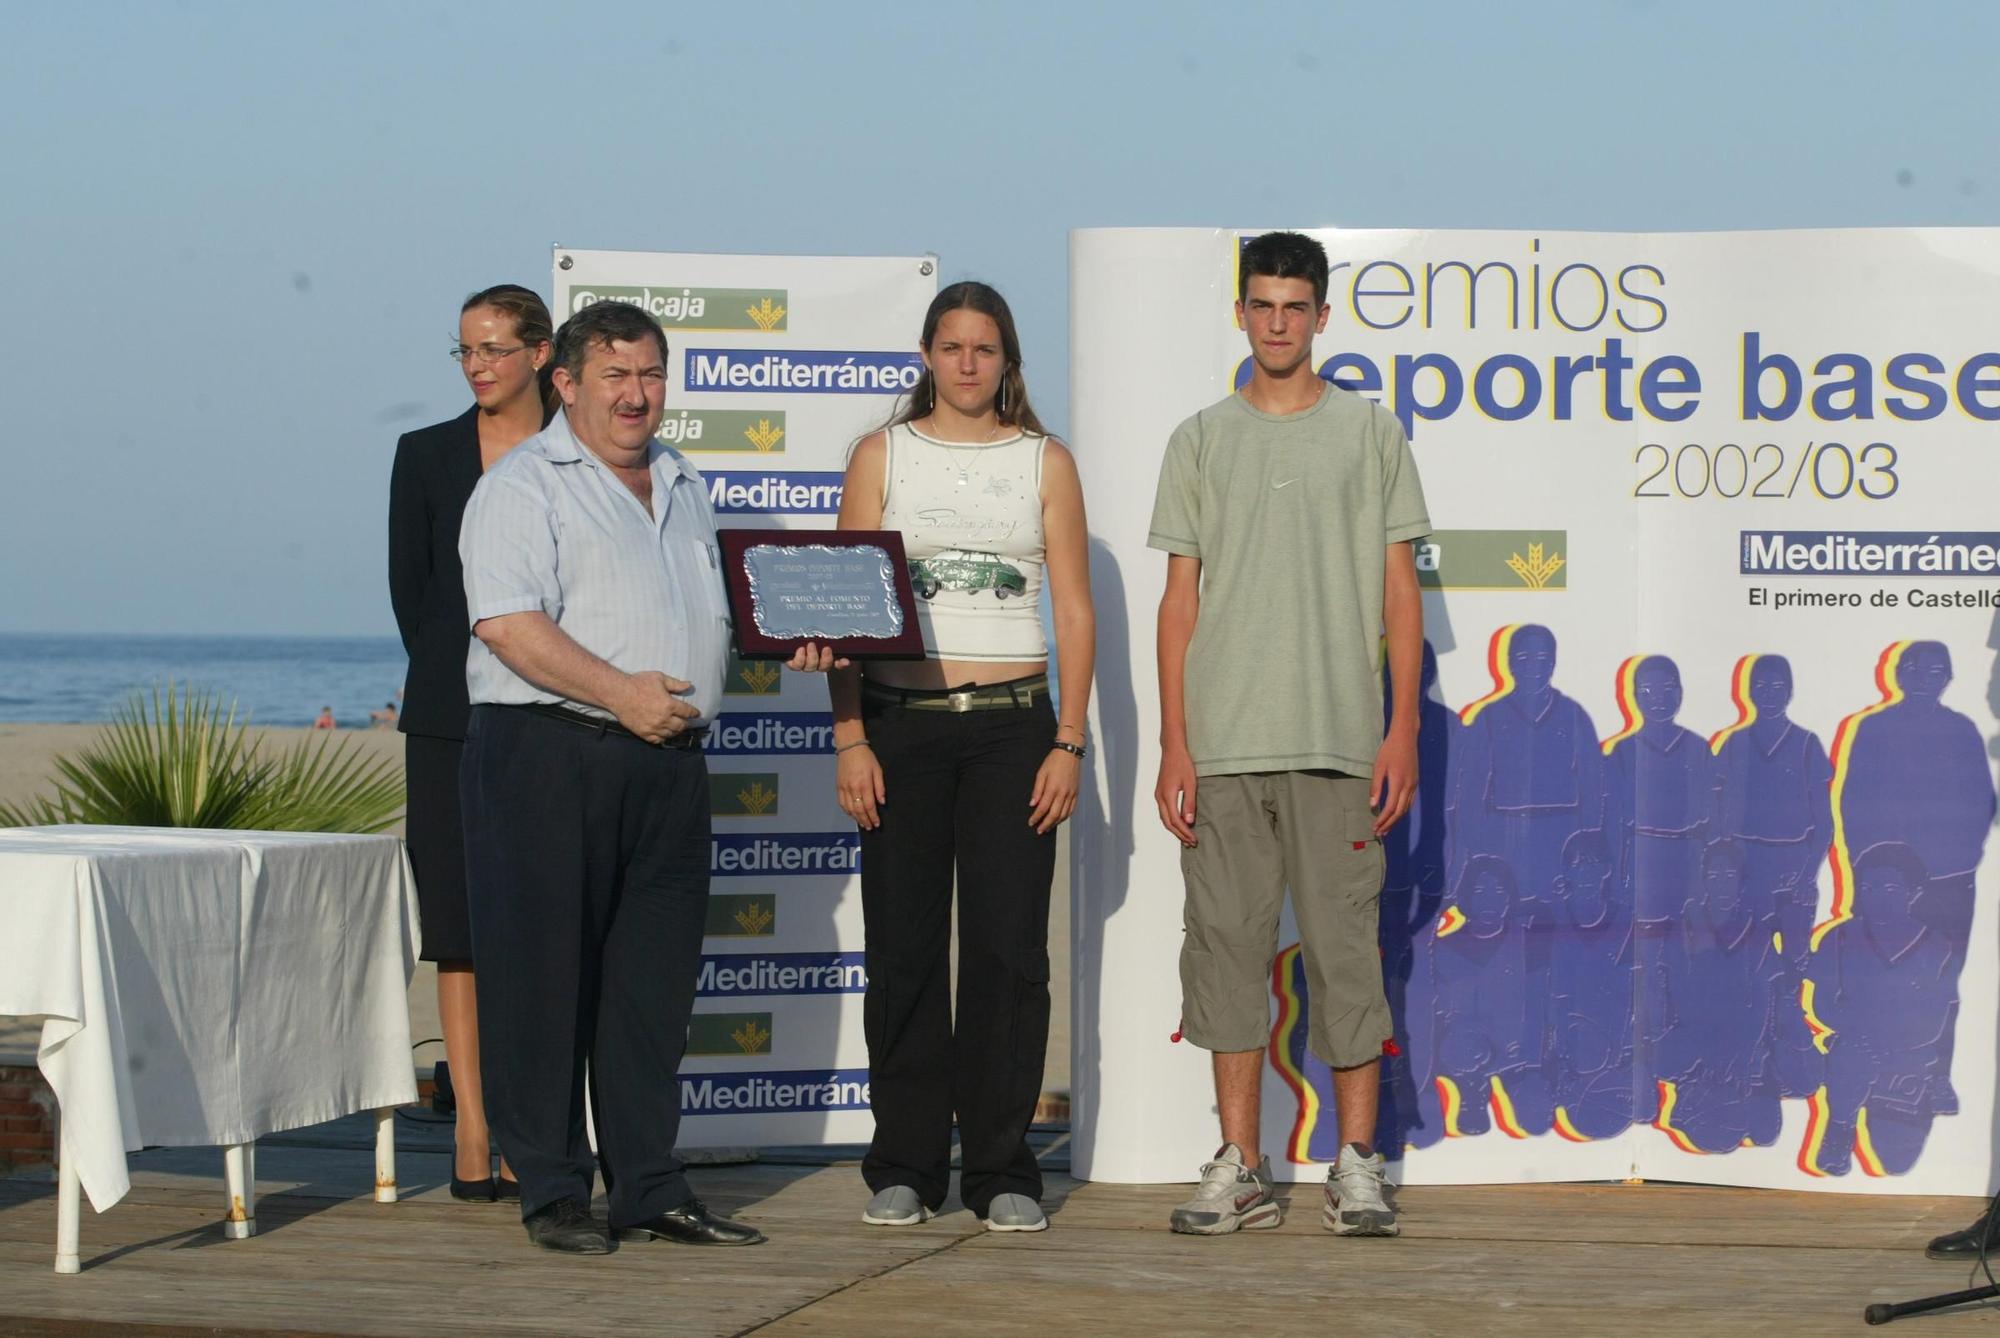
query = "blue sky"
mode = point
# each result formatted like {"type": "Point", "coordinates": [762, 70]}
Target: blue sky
{"type": "Point", "coordinates": [236, 235]}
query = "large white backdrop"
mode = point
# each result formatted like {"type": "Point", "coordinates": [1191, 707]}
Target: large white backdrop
{"type": "Point", "coordinates": [1631, 515]}
{"type": "Point", "coordinates": [777, 365]}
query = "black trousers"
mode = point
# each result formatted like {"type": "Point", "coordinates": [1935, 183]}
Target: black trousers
{"type": "Point", "coordinates": [958, 788]}
{"type": "Point", "coordinates": [587, 862]}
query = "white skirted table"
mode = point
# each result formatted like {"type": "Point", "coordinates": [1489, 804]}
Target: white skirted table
{"type": "Point", "coordinates": [204, 988]}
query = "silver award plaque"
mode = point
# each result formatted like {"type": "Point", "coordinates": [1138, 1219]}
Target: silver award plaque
{"type": "Point", "coordinates": [820, 592]}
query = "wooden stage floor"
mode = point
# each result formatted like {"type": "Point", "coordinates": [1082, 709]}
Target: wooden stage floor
{"type": "Point", "coordinates": [1545, 1260]}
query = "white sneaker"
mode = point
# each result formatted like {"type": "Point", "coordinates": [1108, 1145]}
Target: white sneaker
{"type": "Point", "coordinates": [1231, 1197]}
{"type": "Point", "coordinates": [1354, 1202]}
{"type": "Point", "coordinates": [898, 1205]}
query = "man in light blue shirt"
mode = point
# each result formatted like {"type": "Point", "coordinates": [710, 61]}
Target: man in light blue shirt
{"type": "Point", "coordinates": [600, 626]}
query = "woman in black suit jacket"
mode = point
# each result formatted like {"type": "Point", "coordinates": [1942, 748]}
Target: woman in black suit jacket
{"type": "Point", "coordinates": [504, 342]}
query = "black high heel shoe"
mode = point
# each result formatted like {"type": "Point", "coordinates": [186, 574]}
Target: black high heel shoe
{"type": "Point", "coordinates": [507, 1191]}
{"type": "Point", "coordinates": [476, 1191]}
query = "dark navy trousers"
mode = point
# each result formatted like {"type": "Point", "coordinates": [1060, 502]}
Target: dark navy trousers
{"type": "Point", "coordinates": [587, 867]}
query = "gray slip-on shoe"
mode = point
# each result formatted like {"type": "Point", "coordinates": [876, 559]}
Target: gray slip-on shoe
{"type": "Point", "coordinates": [898, 1205]}
{"type": "Point", "coordinates": [1015, 1212]}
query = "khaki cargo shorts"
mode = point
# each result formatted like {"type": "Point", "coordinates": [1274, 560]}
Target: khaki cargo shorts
{"type": "Point", "coordinates": [1257, 834]}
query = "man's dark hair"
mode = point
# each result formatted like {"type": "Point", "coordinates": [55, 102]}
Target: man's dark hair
{"type": "Point", "coordinates": [1283, 255]}
{"type": "Point", "coordinates": [600, 325]}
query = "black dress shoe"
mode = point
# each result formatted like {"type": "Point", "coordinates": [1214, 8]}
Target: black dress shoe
{"type": "Point", "coordinates": [567, 1226]}
{"type": "Point", "coordinates": [1962, 1247]}
{"type": "Point", "coordinates": [691, 1224]}
{"type": "Point", "coordinates": [505, 1190]}
{"type": "Point", "coordinates": [473, 1191]}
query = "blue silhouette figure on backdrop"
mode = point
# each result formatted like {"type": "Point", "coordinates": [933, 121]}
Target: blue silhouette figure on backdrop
{"type": "Point", "coordinates": [1486, 1042]}
{"type": "Point", "coordinates": [1588, 1055]}
{"type": "Point", "coordinates": [1525, 776]}
{"type": "Point", "coordinates": [1913, 801]}
{"type": "Point", "coordinates": [1712, 1058]}
{"type": "Point", "coordinates": [1660, 784]}
{"type": "Point", "coordinates": [1886, 985]}
{"type": "Point", "coordinates": [1774, 803]}
{"type": "Point", "coordinates": [1412, 894]}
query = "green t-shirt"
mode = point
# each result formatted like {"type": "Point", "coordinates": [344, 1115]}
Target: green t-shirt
{"type": "Point", "coordinates": [1291, 516]}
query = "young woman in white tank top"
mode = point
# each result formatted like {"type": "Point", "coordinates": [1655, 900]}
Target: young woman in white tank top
{"type": "Point", "coordinates": [957, 769]}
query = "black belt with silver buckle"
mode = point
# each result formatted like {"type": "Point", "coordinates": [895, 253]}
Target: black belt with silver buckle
{"type": "Point", "coordinates": [1019, 694]}
{"type": "Point", "coordinates": [688, 739]}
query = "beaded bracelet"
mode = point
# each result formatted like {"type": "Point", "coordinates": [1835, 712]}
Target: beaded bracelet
{"type": "Point", "coordinates": [858, 743]}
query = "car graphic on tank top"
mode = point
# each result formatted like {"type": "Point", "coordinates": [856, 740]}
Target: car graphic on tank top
{"type": "Point", "coordinates": [963, 569]}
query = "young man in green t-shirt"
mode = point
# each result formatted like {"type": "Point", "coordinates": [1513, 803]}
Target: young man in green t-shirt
{"type": "Point", "coordinates": [1286, 512]}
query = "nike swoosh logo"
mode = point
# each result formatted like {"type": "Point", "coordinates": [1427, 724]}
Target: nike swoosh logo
{"type": "Point", "coordinates": [1286, 484]}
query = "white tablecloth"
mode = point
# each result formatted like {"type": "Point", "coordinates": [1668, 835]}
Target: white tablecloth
{"type": "Point", "coordinates": [207, 987]}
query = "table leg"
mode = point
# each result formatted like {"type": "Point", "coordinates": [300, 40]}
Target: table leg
{"type": "Point", "coordinates": [238, 1161]}
{"type": "Point", "coordinates": [69, 1191]}
{"type": "Point", "coordinates": [385, 1155]}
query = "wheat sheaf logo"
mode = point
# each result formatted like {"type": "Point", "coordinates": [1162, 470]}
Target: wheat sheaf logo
{"type": "Point", "coordinates": [755, 798]}
{"type": "Point", "coordinates": [755, 918]}
{"type": "Point", "coordinates": [766, 314]}
{"type": "Point", "coordinates": [752, 1038]}
{"type": "Point", "coordinates": [763, 436]}
{"type": "Point", "coordinates": [1535, 569]}
{"type": "Point", "coordinates": [760, 676]}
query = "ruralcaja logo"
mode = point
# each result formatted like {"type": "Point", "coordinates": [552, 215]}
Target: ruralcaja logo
{"type": "Point", "coordinates": [1493, 560]}
{"type": "Point", "coordinates": [760, 309]}
{"type": "Point", "coordinates": [759, 431]}
{"type": "Point", "coordinates": [737, 794]}
{"type": "Point", "coordinates": [710, 1034]}
{"type": "Point", "coordinates": [741, 915]}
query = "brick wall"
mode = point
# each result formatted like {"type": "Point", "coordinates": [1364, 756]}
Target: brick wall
{"type": "Point", "coordinates": [27, 1118]}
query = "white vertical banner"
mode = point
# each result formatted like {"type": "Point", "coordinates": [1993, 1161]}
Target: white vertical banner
{"type": "Point", "coordinates": [777, 365]}
{"type": "Point", "coordinates": [1699, 882]}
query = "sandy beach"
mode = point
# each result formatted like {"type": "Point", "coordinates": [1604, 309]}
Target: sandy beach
{"type": "Point", "coordinates": [27, 768]}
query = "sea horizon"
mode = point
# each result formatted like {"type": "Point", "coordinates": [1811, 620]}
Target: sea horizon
{"type": "Point", "coordinates": [59, 678]}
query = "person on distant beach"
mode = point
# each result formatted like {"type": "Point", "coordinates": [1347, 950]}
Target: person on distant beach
{"type": "Point", "coordinates": [958, 770]}
{"type": "Point", "coordinates": [1286, 513]}
{"type": "Point", "coordinates": [503, 347]}
{"type": "Point", "coordinates": [593, 578]}
{"type": "Point", "coordinates": [384, 718]}
{"type": "Point", "coordinates": [324, 720]}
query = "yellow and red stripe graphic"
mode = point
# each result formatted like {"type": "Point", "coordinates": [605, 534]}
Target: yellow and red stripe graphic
{"type": "Point", "coordinates": [1664, 1121]}
{"type": "Point", "coordinates": [1822, 1035]}
{"type": "Point", "coordinates": [1840, 857]}
{"type": "Point", "coordinates": [1816, 1122]}
{"type": "Point", "coordinates": [1746, 710]}
{"type": "Point", "coordinates": [1496, 665]}
{"type": "Point", "coordinates": [1864, 1146]}
{"type": "Point", "coordinates": [1628, 703]}
{"type": "Point", "coordinates": [1291, 1012]}
{"type": "Point", "coordinates": [1450, 920]}
{"type": "Point", "coordinates": [1451, 1103]}
{"type": "Point", "coordinates": [1503, 1109]}
{"type": "Point", "coordinates": [1568, 1130]}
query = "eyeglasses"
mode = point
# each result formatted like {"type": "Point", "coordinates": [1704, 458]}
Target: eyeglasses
{"type": "Point", "coordinates": [486, 353]}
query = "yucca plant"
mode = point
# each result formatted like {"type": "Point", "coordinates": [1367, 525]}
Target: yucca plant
{"type": "Point", "coordinates": [182, 760]}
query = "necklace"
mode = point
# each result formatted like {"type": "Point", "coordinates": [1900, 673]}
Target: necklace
{"type": "Point", "coordinates": [964, 479]}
